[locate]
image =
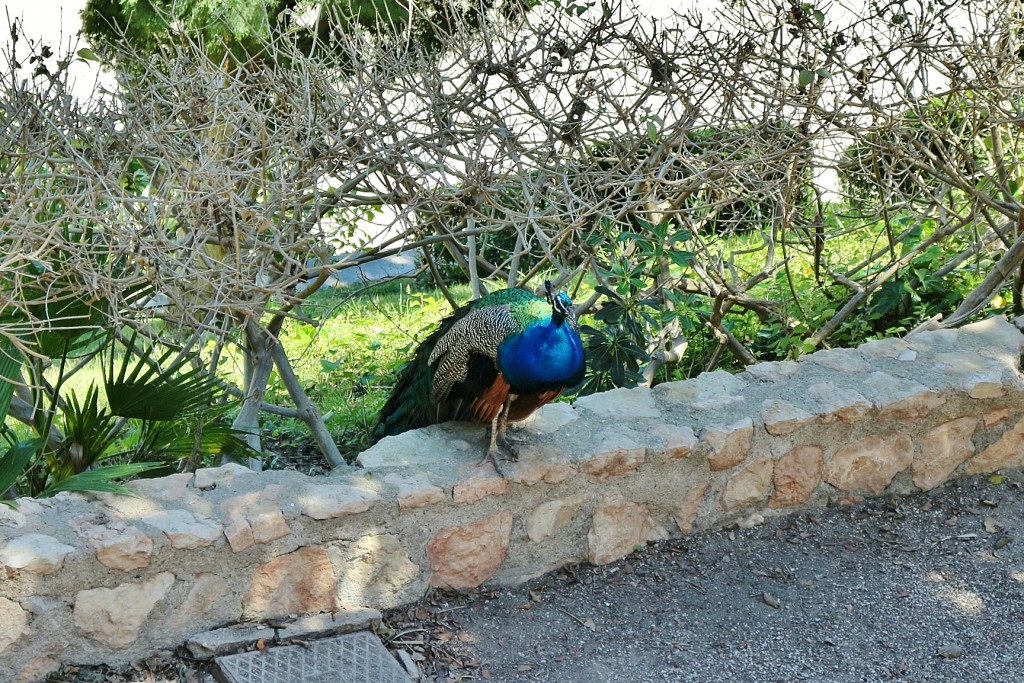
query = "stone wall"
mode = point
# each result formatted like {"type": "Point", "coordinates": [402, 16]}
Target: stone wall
{"type": "Point", "coordinates": [89, 579]}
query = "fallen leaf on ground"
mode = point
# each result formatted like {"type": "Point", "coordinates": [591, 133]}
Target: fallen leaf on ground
{"type": "Point", "coordinates": [949, 652]}
{"type": "Point", "coordinates": [992, 526]}
{"type": "Point", "coordinates": [770, 600]}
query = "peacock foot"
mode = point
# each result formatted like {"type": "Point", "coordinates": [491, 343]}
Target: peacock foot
{"type": "Point", "coordinates": [501, 449]}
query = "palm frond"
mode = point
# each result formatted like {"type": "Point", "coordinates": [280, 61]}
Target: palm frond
{"type": "Point", "coordinates": [139, 389]}
{"type": "Point", "coordinates": [100, 479]}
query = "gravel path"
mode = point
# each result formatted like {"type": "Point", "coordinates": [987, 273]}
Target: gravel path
{"type": "Point", "coordinates": [922, 588]}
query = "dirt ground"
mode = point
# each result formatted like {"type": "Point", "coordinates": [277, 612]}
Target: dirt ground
{"type": "Point", "coordinates": [919, 588]}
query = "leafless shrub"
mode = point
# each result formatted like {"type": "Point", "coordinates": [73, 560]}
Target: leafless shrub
{"type": "Point", "coordinates": [217, 186]}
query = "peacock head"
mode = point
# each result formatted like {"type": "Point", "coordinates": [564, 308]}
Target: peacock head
{"type": "Point", "coordinates": [561, 304]}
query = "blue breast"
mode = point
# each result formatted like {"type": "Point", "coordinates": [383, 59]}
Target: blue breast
{"type": "Point", "coordinates": [543, 356]}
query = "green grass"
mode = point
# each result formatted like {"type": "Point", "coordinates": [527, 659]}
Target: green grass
{"type": "Point", "coordinates": [348, 363]}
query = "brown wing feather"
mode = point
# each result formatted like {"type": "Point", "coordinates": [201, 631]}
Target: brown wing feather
{"type": "Point", "coordinates": [487, 406]}
{"type": "Point", "coordinates": [524, 404]}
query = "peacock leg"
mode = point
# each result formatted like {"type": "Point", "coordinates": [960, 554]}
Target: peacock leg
{"type": "Point", "coordinates": [498, 442]}
{"type": "Point", "coordinates": [501, 438]}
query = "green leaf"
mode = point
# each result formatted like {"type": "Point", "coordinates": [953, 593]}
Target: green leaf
{"type": "Point", "coordinates": [88, 55]}
{"type": "Point", "coordinates": [101, 479]}
{"type": "Point", "coordinates": [823, 73]}
{"type": "Point", "coordinates": [997, 479]}
{"type": "Point", "coordinates": [819, 17]}
{"type": "Point", "coordinates": [680, 258]}
{"type": "Point", "coordinates": [652, 131]}
{"type": "Point", "coordinates": [10, 364]}
{"type": "Point", "coordinates": [148, 393]}
{"type": "Point", "coordinates": [806, 78]}
{"type": "Point", "coordinates": [15, 460]}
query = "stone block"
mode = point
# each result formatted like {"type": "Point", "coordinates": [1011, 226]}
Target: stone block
{"type": "Point", "coordinates": [301, 582]}
{"type": "Point", "coordinates": [35, 553]}
{"type": "Point", "coordinates": [869, 464]}
{"type": "Point", "coordinates": [183, 529]}
{"type": "Point", "coordinates": [782, 417]}
{"type": "Point", "coordinates": [13, 622]}
{"type": "Point", "coordinates": [329, 501]}
{"type": "Point", "coordinates": [477, 488]}
{"type": "Point", "coordinates": [415, 490]}
{"type": "Point", "coordinates": [467, 555]}
{"type": "Point", "coordinates": [620, 404]}
{"type": "Point", "coordinates": [376, 570]}
{"type": "Point", "coordinates": [113, 617]}
{"type": "Point", "coordinates": [796, 475]}
{"type": "Point", "coordinates": [729, 443]}
{"type": "Point", "coordinates": [748, 486]}
{"type": "Point", "coordinates": [942, 450]}
{"type": "Point", "coordinates": [619, 526]}
{"type": "Point", "coordinates": [1007, 452]}
{"type": "Point", "coordinates": [549, 517]}
{"type": "Point", "coordinates": [615, 455]}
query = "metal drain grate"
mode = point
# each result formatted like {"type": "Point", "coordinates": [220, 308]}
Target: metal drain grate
{"type": "Point", "coordinates": [351, 658]}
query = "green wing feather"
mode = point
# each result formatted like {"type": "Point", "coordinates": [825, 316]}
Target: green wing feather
{"type": "Point", "coordinates": [442, 360]}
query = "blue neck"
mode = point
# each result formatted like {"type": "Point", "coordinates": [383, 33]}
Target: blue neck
{"type": "Point", "coordinates": [545, 355]}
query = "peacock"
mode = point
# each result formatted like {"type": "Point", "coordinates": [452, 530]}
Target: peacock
{"type": "Point", "coordinates": [494, 360]}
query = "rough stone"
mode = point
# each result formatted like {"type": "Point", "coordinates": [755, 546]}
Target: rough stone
{"type": "Point", "coordinates": [901, 399]}
{"type": "Point", "coordinates": [172, 488]}
{"type": "Point", "coordinates": [782, 417]}
{"type": "Point", "coordinates": [321, 625]}
{"type": "Point", "coordinates": [708, 391]}
{"type": "Point", "coordinates": [619, 526]}
{"type": "Point", "coordinates": [677, 441]}
{"type": "Point", "coordinates": [113, 616]}
{"type": "Point", "coordinates": [228, 640]}
{"type": "Point", "coordinates": [124, 550]}
{"type": "Point", "coordinates": [980, 377]}
{"type": "Point", "coordinates": [1005, 453]}
{"type": "Point", "coordinates": [869, 464]}
{"type": "Point", "coordinates": [10, 517]}
{"type": "Point", "coordinates": [203, 597]}
{"type": "Point", "coordinates": [36, 553]}
{"type": "Point", "coordinates": [796, 475]}
{"type": "Point", "coordinates": [889, 348]}
{"type": "Point", "coordinates": [620, 404]}
{"type": "Point", "coordinates": [994, 417]}
{"type": "Point", "coordinates": [686, 512]}
{"type": "Point", "coordinates": [840, 360]}
{"type": "Point", "coordinates": [729, 443]}
{"type": "Point", "coordinates": [997, 331]}
{"type": "Point", "coordinates": [540, 462]}
{"type": "Point", "coordinates": [931, 340]}
{"type": "Point", "coordinates": [477, 488]}
{"type": "Point", "coordinates": [254, 518]}
{"type": "Point", "coordinates": [37, 670]}
{"type": "Point", "coordinates": [773, 371]}
{"type": "Point", "coordinates": [748, 486]}
{"type": "Point", "coordinates": [615, 455]}
{"type": "Point", "coordinates": [414, 490]}
{"type": "Point", "coordinates": [300, 582]}
{"type": "Point", "coordinates": [328, 501]}
{"type": "Point", "coordinates": [548, 420]}
{"type": "Point", "coordinates": [835, 403]}
{"type": "Point", "coordinates": [465, 556]}
{"type": "Point", "coordinates": [551, 516]}
{"type": "Point", "coordinates": [209, 477]}
{"type": "Point", "coordinates": [942, 450]}
{"type": "Point", "coordinates": [13, 622]}
{"type": "Point", "coordinates": [376, 570]}
{"type": "Point", "coordinates": [183, 529]}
